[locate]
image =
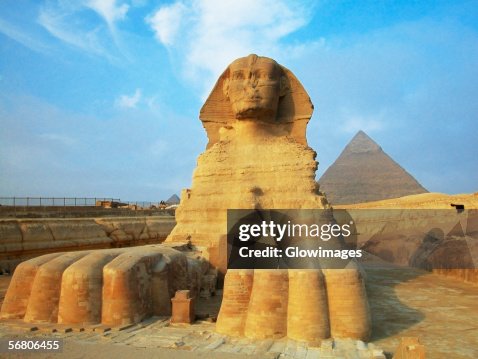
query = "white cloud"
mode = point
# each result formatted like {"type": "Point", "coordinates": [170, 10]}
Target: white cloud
{"type": "Point", "coordinates": [206, 35]}
{"type": "Point", "coordinates": [64, 21]}
{"type": "Point", "coordinates": [125, 101]}
{"type": "Point", "coordinates": [54, 22]}
{"type": "Point", "coordinates": [108, 10]}
{"type": "Point", "coordinates": [166, 22]}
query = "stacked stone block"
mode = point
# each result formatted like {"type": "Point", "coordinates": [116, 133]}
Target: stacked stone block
{"type": "Point", "coordinates": [113, 287]}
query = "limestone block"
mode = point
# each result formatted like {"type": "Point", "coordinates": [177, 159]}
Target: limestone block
{"type": "Point", "coordinates": [18, 294]}
{"type": "Point", "coordinates": [183, 307]}
{"type": "Point", "coordinates": [235, 303]}
{"type": "Point", "coordinates": [81, 289]}
{"type": "Point", "coordinates": [349, 313]}
{"type": "Point", "coordinates": [127, 287]}
{"type": "Point", "coordinates": [35, 231]}
{"type": "Point", "coordinates": [177, 264]}
{"type": "Point", "coordinates": [65, 230]}
{"type": "Point", "coordinates": [308, 314]}
{"type": "Point", "coordinates": [160, 291]}
{"type": "Point", "coordinates": [45, 293]}
{"type": "Point", "coordinates": [144, 236]}
{"type": "Point", "coordinates": [108, 286]}
{"type": "Point", "coordinates": [120, 237]}
{"type": "Point", "coordinates": [10, 236]}
{"type": "Point", "coordinates": [157, 228]}
{"type": "Point", "coordinates": [197, 268]}
{"type": "Point", "coordinates": [267, 312]}
{"type": "Point", "coordinates": [132, 226]}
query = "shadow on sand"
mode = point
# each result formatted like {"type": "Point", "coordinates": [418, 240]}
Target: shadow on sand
{"type": "Point", "coordinates": [390, 315]}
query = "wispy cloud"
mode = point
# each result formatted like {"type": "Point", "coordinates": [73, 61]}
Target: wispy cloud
{"type": "Point", "coordinates": [205, 35]}
{"type": "Point", "coordinates": [23, 38]}
{"type": "Point", "coordinates": [108, 10]}
{"type": "Point", "coordinates": [63, 20]}
{"type": "Point", "coordinates": [129, 101]}
{"type": "Point", "coordinates": [166, 22]}
{"type": "Point", "coordinates": [111, 12]}
{"type": "Point", "coordinates": [55, 23]}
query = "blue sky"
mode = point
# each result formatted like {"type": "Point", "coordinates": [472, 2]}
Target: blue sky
{"type": "Point", "coordinates": [101, 97]}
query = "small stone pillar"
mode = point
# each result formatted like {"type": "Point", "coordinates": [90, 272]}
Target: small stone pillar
{"type": "Point", "coordinates": [183, 307]}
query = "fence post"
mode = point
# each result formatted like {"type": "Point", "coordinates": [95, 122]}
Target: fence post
{"type": "Point", "coordinates": [75, 201]}
{"type": "Point", "coordinates": [14, 204]}
{"type": "Point", "coordinates": [28, 201]}
{"type": "Point", "coordinates": [40, 201]}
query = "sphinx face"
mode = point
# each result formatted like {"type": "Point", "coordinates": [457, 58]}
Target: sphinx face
{"type": "Point", "coordinates": [254, 87]}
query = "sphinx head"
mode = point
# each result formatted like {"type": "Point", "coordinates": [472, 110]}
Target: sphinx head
{"type": "Point", "coordinates": [254, 86]}
{"type": "Point", "coordinates": [257, 90]}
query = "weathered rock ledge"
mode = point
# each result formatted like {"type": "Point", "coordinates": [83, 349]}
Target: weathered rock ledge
{"type": "Point", "coordinates": [22, 239]}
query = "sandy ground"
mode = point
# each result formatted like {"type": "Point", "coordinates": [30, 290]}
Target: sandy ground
{"type": "Point", "coordinates": [424, 200]}
{"type": "Point", "coordinates": [82, 350]}
{"type": "Point", "coordinates": [440, 311]}
{"type": "Point", "coordinates": [404, 302]}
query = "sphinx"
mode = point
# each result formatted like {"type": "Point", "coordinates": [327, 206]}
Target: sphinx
{"type": "Point", "coordinates": [257, 157]}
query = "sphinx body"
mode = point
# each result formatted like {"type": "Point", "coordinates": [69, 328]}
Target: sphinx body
{"type": "Point", "coordinates": [258, 158]}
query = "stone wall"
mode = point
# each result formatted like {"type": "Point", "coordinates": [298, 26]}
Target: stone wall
{"type": "Point", "coordinates": [77, 212]}
{"type": "Point", "coordinates": [22, 239]}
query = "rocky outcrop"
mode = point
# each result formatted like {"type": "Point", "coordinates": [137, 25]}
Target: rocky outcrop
{"type": "Point", "coordinates": [21, 239]}
{"type": "Point", "coordinates": [440, 240]}
{"type": "Point", "coordinates": [364, 172]}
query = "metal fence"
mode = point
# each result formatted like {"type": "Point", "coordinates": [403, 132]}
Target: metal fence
{"type": "Point", "coordinates": [73, 202]}
{"type": "Point", "coordinates": [52, 201]}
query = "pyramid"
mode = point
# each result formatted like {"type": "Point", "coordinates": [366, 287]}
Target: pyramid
{"type": "Point", "coordinates": [364, 172]}
{"type": "Point", "coordinates": [174, 199]}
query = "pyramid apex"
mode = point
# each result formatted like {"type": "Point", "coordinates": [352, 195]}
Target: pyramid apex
{"type": "Point", "coordinates": [362, 142]}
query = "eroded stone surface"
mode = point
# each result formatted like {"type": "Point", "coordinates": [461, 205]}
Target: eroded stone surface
{"type": "Point", "coordinates": [22, 239]}
{"type": "Point", "coordinates": [111, 286]}
{"type": "Point", "coordinates": [440, 240]}
{"type": "Point", "coordinates": [258, 157]}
